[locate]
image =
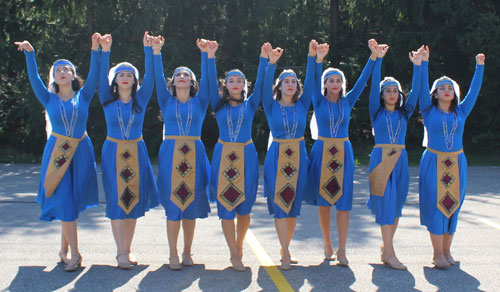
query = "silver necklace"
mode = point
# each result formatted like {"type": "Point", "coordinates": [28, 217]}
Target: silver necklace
{"type": "Point", "coordinates": [334, 127]}
{"type": "Point", "coordinates": [125, 131]}
{"type": "Point", "coordinates": [290, 134]}
{"type": "Point", "coordinates": [69, 127]}
{"type": "Point", "coordinates": [184, 131]}
{"type": "Point", "coordinates": [233, 133]}
{"type": "Point", "coordinates": [448, 138]}
{"type": "Point", "coordinates": [393, 137]}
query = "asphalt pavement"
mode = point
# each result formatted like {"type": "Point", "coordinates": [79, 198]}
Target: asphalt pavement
{"type": "Point", "coordinates": [29, 247]}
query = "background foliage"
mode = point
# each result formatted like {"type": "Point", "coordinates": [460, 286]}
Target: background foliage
{"type": "Point", "coordinates": [456, 30]}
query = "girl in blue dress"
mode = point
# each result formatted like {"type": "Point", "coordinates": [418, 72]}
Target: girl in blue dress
{"type": "Point", "coordinates": [233, 184]}
{"type": "Point", "coordinates": [183, 166]}
{"type": "Point", "coordinates": [331, 172]}
{"type": "Point", "coordinates": [285, 166]}
{"type": "Point", "coordinates": [389, 176]}
{"type": "Point", "coordinates": [128, 178]}
{"type": "Point", "coordinates": [68, 177]}
{"type": "Point", "coordinates": [443, 166]}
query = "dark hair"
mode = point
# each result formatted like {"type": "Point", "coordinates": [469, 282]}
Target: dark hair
{"type": "Point", "coordinates": [400, 106]}
{"type": "Point", "coordinates": [113, 90]}
{"type": "Point", "coordinates": [76, 83]}
{"type": "Point", "coordinates": [453, 105]}
{"type": "Point", "coordinates": [277, 90]}
{"type": "Point", "coordinates": [224, 92]}
{"type": "Point", "coordinates": [193, 89]}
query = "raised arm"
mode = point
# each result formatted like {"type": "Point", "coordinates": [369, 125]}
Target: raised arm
{"type": "Point", "coordinates": [267, 87]}
{"type": "Point", "coordinates": [353, 95]}
{"type": "Point", "coordinates": [470, 99]}
{"type": "Point", "coordinates": [321, 52]}
{"type": "Point", "coordinates": [104, 88]}
{"type": "Point", "coordinates": [146, 90]}
{"type": "Point", "coordinates": [213, 84]}
{"type": "Point", "coordinates": [416, 59]}
{"type": "Point", "coordinates": [374, 104]}
{"type": "Point", "coordinates": [309, 82]}
{"type": "Point", "coordinates": [41, 92]}
{"type": "Point", "coordinates": [162, 92]}
{"type": "Point", "coordinates": [90, 85]}
{"type": "Point", "coordinates": [203, 93]}
{"type": "Point", "coordinates": [255, 98]}
{"type": "Point", "coordinates": [425, 97]}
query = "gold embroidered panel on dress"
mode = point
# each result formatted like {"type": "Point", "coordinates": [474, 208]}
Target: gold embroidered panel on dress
{"type": "Point", "coordinates": [448, 181]}
{"type": "Point", "coordinates": [287, 173]}
{"type": "Point", "coordinates": [379, 176]}
{"type": "Point", "coordinates": [332, 169]}
{"type": "Point", "coordinates": [231, 181]}
{"type": "Point", "coordinates": [60, 159]}
{"type": "Point", "coordinates": [183, 179]}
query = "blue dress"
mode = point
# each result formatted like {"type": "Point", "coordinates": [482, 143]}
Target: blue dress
{"type": "Point", "coordinates": [276, 117]}
{"type": "Point", "coordinates": [247, 109]}
{"type": "Point", "coordinates": [322, 108]}
{"type": "Point", "coordinates": [148, 192]}
{"type": "Point", "coordinates": [430, 215]}
{"type": "Point", "coordinates": [194, 111]}
{"type": "Point", "coordinates": [77, 189]}
{"type": "Point", "coordinates": [388, 207]}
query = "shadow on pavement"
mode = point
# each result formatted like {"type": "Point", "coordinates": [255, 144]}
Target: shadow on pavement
{"type": "Point", "coordinates": [34, 277]}
{"type": "Point", "coordinates": [106, 278]}
{"type": "Point", "coordinates": [387, 279]}
{"type": "Point", "coordinates": [451, 279]}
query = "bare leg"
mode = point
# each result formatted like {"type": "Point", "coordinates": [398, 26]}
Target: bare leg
{"type": "Point", "coordinates": [447, 240]}
{"type": "Point", "coordinates": [188, 227]}
{"type": "Point", "coordinates": [230, 235]}
{"type": "Point", "coordinates": [281, 225]}
{"type": "Point", "coordinates": [242, 225]}
{"type": "Point", "coordinates": [173, 228]}
{"type": "Point", "coordinates": [325, 217]}
{"type": "Point", "coordinates": [70, 232]}
{"type": "Point", "coordinates": [119, 234]}
{"type": "Point", "coordinates": [128, 237]}
{"type": "Point", "coordinates": [437, 245]}
{"type": "Point", "coordinates": [63, 252]}
{"type": "Point", "coordinates": [388, 255]}
{"type": "Point", "coordinates": [342, 229]}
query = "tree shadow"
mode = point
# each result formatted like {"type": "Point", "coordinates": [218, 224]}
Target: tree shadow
{"type": "Point", "coordinates": [106, 278]}
{"type": "Point", "coordinates": [388, 279]}
{"type": "Point", "coordinates": [164, 279]}
{"type": "Point", "coordinates": [451, 279]}
{"type": "Point", "coordinates": [327, 277]}
{"type": "Point", "coordinates": [34, 278]}
{"type": "Point", "coordinates": [214, 280]}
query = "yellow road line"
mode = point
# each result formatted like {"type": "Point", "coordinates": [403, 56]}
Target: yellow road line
{"type": "Point", "coordinates": [268, 264]}
{"type": "Point", "coordinates": [490, 223]}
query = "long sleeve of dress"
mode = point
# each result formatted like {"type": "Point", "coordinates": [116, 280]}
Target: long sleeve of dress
{"type": "Point", "coordinates": [316, 98]}
{"type": "Point", "coordinates": [470, 99]}
{"type": "Point", "coordinates": [425, 97]}
{"type": "Point", "coordinates": [104, 93]}
{"type": "Point", "coordinates": [255, 98]}
{"type": "Point", "coordinates": [353, 95]}
{"type": "Point", "coordinates": [41, 92]}
{"type": "Point", "coordinates": [374, 104]}
{"type": "Point", "coordinates": [162, 92]}
{"type": "Point", "coordinates": [309, 82]}
{"type": "Point", "coordinates": [411, 103]}
{"type": "Point", "coordinates": [213, 84]}
{"type": "Point", "coordinates": [267, 89]}
{"type": "Point", "coordinates": [90, 85]}
{"type": "Point", "coordinates": [203, 92]}
{"type": "Point", "coordinates": [144, 93]}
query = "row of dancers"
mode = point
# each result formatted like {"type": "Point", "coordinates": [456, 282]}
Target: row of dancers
{"type": "Point", "coordinates": [187, 182]}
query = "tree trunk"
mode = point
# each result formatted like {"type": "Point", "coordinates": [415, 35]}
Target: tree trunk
{"type": "Point", "coordinates": [334, 31]}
